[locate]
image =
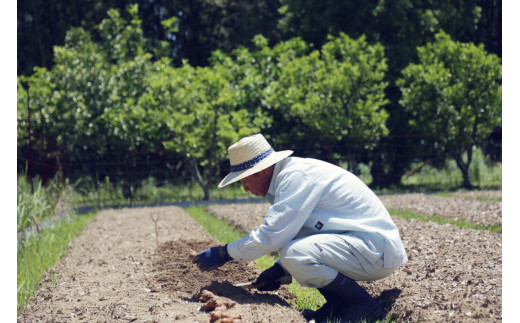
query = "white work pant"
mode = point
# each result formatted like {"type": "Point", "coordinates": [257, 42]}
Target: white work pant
{"type": "Point", "coordinates": [314, 261]}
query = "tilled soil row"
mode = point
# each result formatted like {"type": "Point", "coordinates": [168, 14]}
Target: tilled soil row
{"type": "Point", "coordinates": [116, 271]}
{"type": "Point", "coordinates": [453, 274]}
{"type": "Point", "coordinates": [464, 206]}
{"type": "Point", "coordinates": [471, 207]}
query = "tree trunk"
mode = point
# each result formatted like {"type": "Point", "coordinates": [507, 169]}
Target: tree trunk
{"type": "Point", "coordinates": [199, 179]}
{"type": "Point", "coordinates": [206, 190]}
{"type": "Point", "coordinates": [464, 168]}
{"type": "Point", "coordinates": [127, 189]}
{"type": "Point", "coordinates": [465, 175]}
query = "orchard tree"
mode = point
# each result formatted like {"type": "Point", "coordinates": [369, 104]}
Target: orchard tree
{"type": "Point", "coordinates": [203, 26]}
{"type": "Point", "coordinates": [65, 102]}
{"type": "Point", "coordinates": [195, 110]}
{"type": "Point", "coordinates": [99, 83]}
{"type": "Point", "coordinates": [337, 92]}
{"type": "Point", "coordinates": [454, 95]}
{"type": "Point", "coordinates": [82, 111]}
{"type": "Point", "coordinates": [251, 71]}
{"type": "Point", "coordinates": [400, 26]}
{"type": "Point", "coordinates": [36, 154]}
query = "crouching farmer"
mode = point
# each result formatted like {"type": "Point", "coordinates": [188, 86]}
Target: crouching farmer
{"type": "Point", "coordinates": [331, 230]}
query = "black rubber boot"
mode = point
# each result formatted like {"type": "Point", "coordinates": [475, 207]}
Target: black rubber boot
{"type": "Point", "coordinates": [325, 312]}
{"type": "Point", "coordinates": [348, 302]}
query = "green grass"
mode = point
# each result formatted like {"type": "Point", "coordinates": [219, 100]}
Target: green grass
{"type": "Point", "coordinates": [37, 254]}
{"type": "Point", "coordinates": [482, 172]}
{"type": "Point", "coordinates": [406, 214]}
{"type": "Point", "coordinates": [478, 198]}
{"type": "Point", "coordinates": [444, 194]}
{"type": "Point", "coordinates": [486, 199]}
{"type": "Point", "coordinates": [307, 298]}
{"type": "Point", "coordinates": [105, 193]}
{"type": "Point", "coordinates": [89, 192]}
{"type": "Point", "coordinates": [218, 228]}
{"type": "Point", "coordinates": [35, 202]}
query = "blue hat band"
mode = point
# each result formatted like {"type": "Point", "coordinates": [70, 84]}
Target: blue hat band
{"type": "Point", "coordinates": [250, 163]}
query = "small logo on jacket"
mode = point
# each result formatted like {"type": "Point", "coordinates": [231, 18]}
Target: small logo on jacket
{"type": "Point", "coordinates": [319, 225]}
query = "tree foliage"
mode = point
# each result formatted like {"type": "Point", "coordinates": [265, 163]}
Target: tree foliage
{"type": "Point", "coordinates": [454, 96]}
{"type": "Point", "coordinates": [81, 107]}
{"type": "Point", "coordinates": [107, 98]}
{"type": "Point", "coordinates": [161, 88]}
{"type": "Point", "coordinates": [198, 106]}
{"type": "Point", "coordinates": [200, 26]}
{"type": "Point", "coordinates": [253, 71]}
{"type": "Point", "coordinates": [337, 93]}
{"type": "Point", "coordinates": [400, 26]}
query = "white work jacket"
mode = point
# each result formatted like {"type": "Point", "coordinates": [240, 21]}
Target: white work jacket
{"type": "Point", "coordinates": [310, 196]}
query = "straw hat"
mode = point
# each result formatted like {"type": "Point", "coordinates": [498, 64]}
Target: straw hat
{"type": "Point", "coordinates": [251, 155]}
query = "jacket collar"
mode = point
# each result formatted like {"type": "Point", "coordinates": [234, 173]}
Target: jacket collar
{"type": "Point", "coordinates": [272, 187]}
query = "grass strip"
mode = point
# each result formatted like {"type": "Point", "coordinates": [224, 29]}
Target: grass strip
{"type": "Point", "coordinates": [476, 198]}
{"type": "Point", "coordinates": [406, 214]}
{"type": "Point", "coordinates": [42, 252]}
{"type": "Point", "coordinates": [218, 228]}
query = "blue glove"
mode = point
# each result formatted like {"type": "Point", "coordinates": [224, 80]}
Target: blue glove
{"type": "Point", "coordinates": [272, 278]}
{"type": "Point", "coordinates": [212, 258]}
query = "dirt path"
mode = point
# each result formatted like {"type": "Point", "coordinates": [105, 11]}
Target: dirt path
{"type": "Point", "coordinates": [468, 206]}
{"type": "Point", "coordinates": [114, 273]}
{"type": "Point", "coordinates": [474, 207]}
{"type": "Point", "coordinates": [453, 274]}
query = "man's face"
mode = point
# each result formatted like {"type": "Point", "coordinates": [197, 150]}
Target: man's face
{"type": "Point", "coordinates": [258, 183]}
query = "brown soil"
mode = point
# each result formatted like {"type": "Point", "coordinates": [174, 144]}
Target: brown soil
{"type": "Point", "coordinates": [468, 206]}
{"type": "Point", "coordinates": [114, 271]}
{"type": "Point", "coordinates": [474, 207]}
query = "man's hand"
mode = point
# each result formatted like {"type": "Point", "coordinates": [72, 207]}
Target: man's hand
{"type": "Point", "coordinates": [272, 278]}
{"type": "Point", "coordinates": [212, 258]}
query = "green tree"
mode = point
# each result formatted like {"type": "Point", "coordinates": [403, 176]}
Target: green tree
{"type": "Point", "coordinates": [198, 108]}
{"type": "Point", "coordinates": [454, 95]}
{"type": "Point", "coordinates": [97, 83]}
{"type": "Point", "coordinates": [82, 110]}
{"type": "Point", "coordinates": [400, 26]}
{"type": "Point", "coordinates": [337, 92]}
{"type": "Point", "coordinates": [65, 102]}
{"type": "Point", "coordinates": [251, 72]}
